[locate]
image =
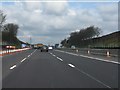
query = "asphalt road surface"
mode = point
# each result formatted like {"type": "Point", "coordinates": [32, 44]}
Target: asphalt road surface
{"type": "Point", "coordinates": [55, 69]}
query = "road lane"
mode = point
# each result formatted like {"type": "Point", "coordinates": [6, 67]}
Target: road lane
{"type": "Point", "coordinates": [103, 71]}
{"type": "Point", "coordinates": [44, 70]}
{"type": "Point", "coordinates": [10, 61]}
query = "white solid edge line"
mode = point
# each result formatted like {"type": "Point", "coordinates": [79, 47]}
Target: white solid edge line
{"type": "Point", "coordinates": [92, 77]}
{"type": "Point", "coordinates": [92, 58]}
{"type": "Point", "coordinates": [71, 65]}
{"type": "Point", "coordinates": [100, 59]}
{"type": "Point", "coordinates": [23, 59]}
{"type": "Point", "coordinates": [13, 67]}
{"type": "Point", "coordinates": [72, 54]}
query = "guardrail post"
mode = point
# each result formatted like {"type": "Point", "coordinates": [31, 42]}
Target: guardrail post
{"type": "Point", "coordinates": [108, 54]}
{"type": "Point", "coordinates": [76, 50]}
{"type": "Point", "coordinates": [88, 52]}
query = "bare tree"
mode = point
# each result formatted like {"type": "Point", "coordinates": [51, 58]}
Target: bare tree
{"type": "Point", "coordinates": [2, 17]}
{"type": "Point", "coordinates": [2, 20]}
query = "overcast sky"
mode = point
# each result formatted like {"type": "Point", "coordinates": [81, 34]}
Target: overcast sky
{"type": "Point", "coordinates": [51, 22]}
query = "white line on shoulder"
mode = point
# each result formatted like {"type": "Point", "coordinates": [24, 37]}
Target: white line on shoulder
{"type": "Point", "coordinates": [92, 77]}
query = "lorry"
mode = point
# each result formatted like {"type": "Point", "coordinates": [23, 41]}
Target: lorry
{"type": "Point", "coordinates": [37, 46]}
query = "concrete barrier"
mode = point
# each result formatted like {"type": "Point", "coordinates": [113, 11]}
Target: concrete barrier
{"type": "Point", "coordinates": [5, 52]}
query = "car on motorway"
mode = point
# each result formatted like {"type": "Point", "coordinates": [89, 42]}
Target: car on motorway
{"type": "Point", "coordinates": [72, 47]}
{"type": "Point", "coordinates": [50, 48]}
{"type": "Point", "coordinates": [44, 48]}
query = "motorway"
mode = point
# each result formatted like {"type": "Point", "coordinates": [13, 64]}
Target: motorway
{"type": "Point", "coordinates": [56, 69]}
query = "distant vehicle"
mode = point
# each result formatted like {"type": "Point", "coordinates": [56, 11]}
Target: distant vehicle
{"type": "Point", "coordinates": [10, 47]}
{"type": "Point", "coordinates": [50, 47]}
{"type": "Point", "coordinates": [44, 48]}
{"type": "Point", "coordinates": [73, 47]}
{"type": "Point", "coordinates": [37, 46]}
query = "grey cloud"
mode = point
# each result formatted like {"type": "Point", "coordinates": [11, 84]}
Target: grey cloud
{"type": "Point", "coordinates": [55, 8]}
{"type": "Point", "coordinates": [50, 22]}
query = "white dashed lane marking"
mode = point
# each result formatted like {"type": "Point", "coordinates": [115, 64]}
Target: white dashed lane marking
{"type": "Point", "coordinates": [57, 57]}
{"type": "Point", "coordinates": [51, 53]}
{"type": "Point", "coordinates": [28, 55]}
{"type": "Point", "coordinates": [13, 67]}
{"type": "Point", "coordinates": [60, 59]}
{"type": "Point", "coordinates": [23, 59]}
{"type": "Point", "coordinates": [71, 65]}
{"type": "Point", "coordinates": [54, 55]}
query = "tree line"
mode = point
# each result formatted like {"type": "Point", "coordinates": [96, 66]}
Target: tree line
{"type": "Point", "coordinates": [82, 37]}
{"type": "Point", "coordinates": [9, 31]}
